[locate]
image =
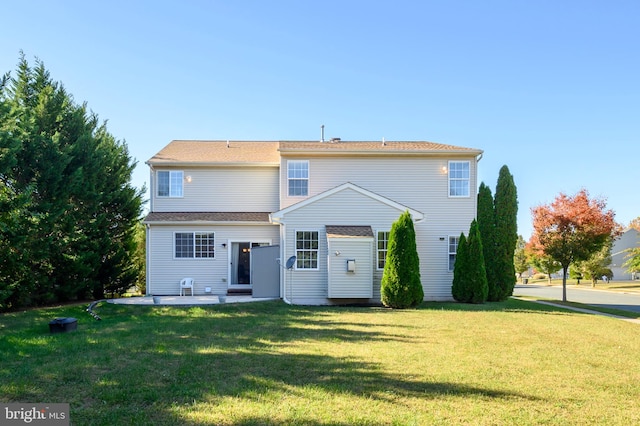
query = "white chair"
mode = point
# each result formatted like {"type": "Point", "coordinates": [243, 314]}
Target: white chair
{"type": "Point", "coordinates": [186, 283]}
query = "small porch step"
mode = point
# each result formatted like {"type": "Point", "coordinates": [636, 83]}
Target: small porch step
{"type": "Point", "coordinates": [239, 292]}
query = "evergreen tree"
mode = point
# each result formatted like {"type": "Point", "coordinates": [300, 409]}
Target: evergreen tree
{"type": "Point", "coordinates": [459, 288]}
{"type": "Point", "coordinates": [469, 274]}
{"type": "Point", "coordinates": [477, 274]}
{"type": "Point", "coordinates": [401, 286]}
{"type": "Point", "coordinates": [487, 227]}
{"type": "Point", "coordinates": [506, 234]}
{"type": "Point", "coordinates": [69, 210]}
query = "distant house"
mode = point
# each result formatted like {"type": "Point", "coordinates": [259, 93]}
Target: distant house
{"type": "Point", "coordinates": [629, 239]}
{"type": "Point", "coordinates": [231, 214]}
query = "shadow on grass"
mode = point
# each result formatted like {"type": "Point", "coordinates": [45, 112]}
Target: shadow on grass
{"type": "Point", "coordinates": [140, 362]}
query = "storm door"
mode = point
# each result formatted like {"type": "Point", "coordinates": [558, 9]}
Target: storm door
{"type": "Point", "coordinates": [240, 263]}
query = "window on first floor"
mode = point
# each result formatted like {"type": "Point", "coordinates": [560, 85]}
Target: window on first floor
{"type": "Point", "coordinates": [306, 249]}
{"type": "Point", "coordinates": [383, 241]}
{"type": "Point", "coordinates": [194, 245]}
{"type": "Point", "coordinates": [459, 176]}
{"type": "Point", "coordinates": [453, 249]}
{"type": "Point", "coordinates": [170, 183]}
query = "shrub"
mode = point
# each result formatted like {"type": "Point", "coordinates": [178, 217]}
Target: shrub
{"type": "Point", "coordinates": [401, 286]}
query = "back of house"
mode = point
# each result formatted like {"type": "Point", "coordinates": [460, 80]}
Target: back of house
{"type": "Point", "coordinates": [328, 206]}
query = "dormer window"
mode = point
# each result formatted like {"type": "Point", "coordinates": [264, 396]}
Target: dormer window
{"type": "Point", "coordinates": [170, 183]}
{"type": "Point", "coordinates": [298, 178]}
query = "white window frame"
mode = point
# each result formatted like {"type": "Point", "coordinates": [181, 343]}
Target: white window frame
{"type": "Point", "coordinates": [459, 179]}
{"type": "Point", "coordinates": [299, 259]}
{"type": "Point", "coordinates": [196, 235]}
{"type": "Point", "coordinates": [384, 250]}
{"type": "Point", "coordinates": [451, 255]}
{"type": "Point", "coordinates": [176, 183]}
{"type": "Point", "coordinates": [296, 175]}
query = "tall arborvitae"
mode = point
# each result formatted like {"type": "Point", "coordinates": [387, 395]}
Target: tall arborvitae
{"type": "Point", "coordinates": [506, 235]}
{"type": "Point", "coordinates": [69, 210]}
{"type": "Point", "coordinates": [487, 227]}
{"type": "Point", "coordinates": [459, 289]}
{"type": "Point", "coordinates": [477, 274]}
{"type": "Point", "coordinates": [401, 286]}
{"type": "Point", "coordinates": [469, 275]}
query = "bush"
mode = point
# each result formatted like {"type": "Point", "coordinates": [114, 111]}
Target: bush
{"type": "Point", "coordinates": [401, 286]}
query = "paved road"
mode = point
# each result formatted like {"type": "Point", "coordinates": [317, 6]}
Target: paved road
{"type": "Point", "coordinates": [595, 297]}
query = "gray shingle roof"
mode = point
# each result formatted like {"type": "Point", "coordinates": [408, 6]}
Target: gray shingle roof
{"type": "Point", "coordinates": [342, 231]}
{"type": "Point", "coordinates": [207, 217]}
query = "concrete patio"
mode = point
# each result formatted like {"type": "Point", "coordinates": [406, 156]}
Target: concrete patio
{"type": "Point", "coordinates": [186, 300]}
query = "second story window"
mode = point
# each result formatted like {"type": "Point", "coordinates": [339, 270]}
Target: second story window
{"type": "Point", "coordinates": [459, 178]}
{"type": "Point", "coordinates": [298, 178]}
{"type": "Point", "coordinates": [170, 183]}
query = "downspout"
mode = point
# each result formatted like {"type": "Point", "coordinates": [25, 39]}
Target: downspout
{"type": "Point", "coordinates": [283, 241]}
{"type": "Point", "coordinates": [283, 251]}
{"type": "Point", "coordinates": [147, 259]}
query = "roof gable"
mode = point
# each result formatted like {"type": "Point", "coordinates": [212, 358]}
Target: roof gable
{"type": "Point", "coordinates": [276, 217]}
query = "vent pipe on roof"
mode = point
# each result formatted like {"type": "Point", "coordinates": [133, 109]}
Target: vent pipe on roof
{"type": "Point", "coordinates": [322, 133]}
{"type": "Point", "coordinates": [383, 141]}
{"type": "Point", "coordinates": [227, 143]}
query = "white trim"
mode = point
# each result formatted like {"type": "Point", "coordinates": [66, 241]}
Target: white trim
{"type": "Point", "coordinates": [295, 249]}
{"type": "Point", "coordinates": [448, 242]}
{"type": "Point", "coordinates": [229, 246]}
{"type": "Point", "coordinates": [157, 188]}
{"type": "Point", "coordinates": [206, 258]}
{"type": "Point", "coordinates": [276, 217]}
{"type": "Point", "coordinates": [449, 179]}
{"type": "Point", "coordinates": [375, 238]}
{"type": "Point", "coordinates": [308, 178]}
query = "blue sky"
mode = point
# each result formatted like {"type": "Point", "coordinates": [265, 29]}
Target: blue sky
{"type": "Point", "coordinates": [551, 88]}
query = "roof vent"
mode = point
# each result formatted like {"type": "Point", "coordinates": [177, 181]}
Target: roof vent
{"type": "Point", "coordinates": [335, 140]}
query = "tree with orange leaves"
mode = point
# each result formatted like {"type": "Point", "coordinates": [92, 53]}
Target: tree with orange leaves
{"type": "Point", "coordinates": [571, 229]}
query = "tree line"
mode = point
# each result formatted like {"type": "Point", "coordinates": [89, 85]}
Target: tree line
{"type": "Point", "coordinates": [69, 216]}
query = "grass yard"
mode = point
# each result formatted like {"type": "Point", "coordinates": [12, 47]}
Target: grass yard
{"type": "Point", "coordinates": [268, 363]}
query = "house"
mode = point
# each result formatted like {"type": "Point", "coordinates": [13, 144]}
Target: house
{"type": "Point", "coordinates": [628, 240]}
{"type": "Point", "coordinates": [305, 221]}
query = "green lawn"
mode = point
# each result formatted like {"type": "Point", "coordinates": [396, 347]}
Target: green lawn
{"type": "Point", "coordinates": [515, 362]}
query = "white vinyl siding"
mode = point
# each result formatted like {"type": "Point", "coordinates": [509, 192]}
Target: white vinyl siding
{"type": "Point", "coordinates": [343, 284]}
{"type": "Point", "coordinates": [225, 189]}
{"type": "Point", "coordinates": [420, 184]}
{"type": "Point", "coordinates": [345, 207]}
{"type": "Point", "coordinates": [165, 271]}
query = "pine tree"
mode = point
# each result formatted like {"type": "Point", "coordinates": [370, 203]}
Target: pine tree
{"type": "Point", "coordinates": [506, 234]}
{"type": "Point", "coordinates": [469, 274]}
{"type": "Point", "coordinates": [69, 210]}
{"type": "Point", "coordinates": [476, 273]}
{"type": "Point", "coordinates": [401, 286]}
